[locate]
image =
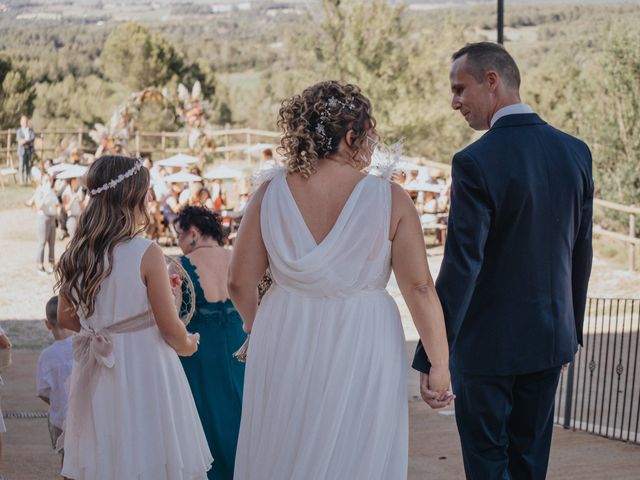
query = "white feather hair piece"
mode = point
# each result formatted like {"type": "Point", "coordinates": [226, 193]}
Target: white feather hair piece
{"type": "Point", "coordinates": [264, 175]}
{"type": "Point", "coordinates": [385, 159]}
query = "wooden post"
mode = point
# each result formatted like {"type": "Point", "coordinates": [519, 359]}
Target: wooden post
{"type": "Point", "coordinates": [631, 249]}
{"type": "Point", "coordinates": [163, 143]}
{"type": "Point", "coordinates": [43, 147]}
{"type": "Point", "coordinates": [9, 156]}
{"type": "Point", "coordinates": [80, 149]}
{"type": "Point", "coordinates": [138, 143]}
{"type": "Point", "coordinates": [500, 22]}
{"type": "Point", "coordinates": [226, 144]}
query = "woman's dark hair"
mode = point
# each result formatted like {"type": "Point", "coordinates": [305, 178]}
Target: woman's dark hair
{"type": "Point", "coordinates": [204, 190]}
{"type": "Point", "coordinates": [206, 221]}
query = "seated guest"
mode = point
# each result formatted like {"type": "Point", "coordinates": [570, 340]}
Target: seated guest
{"type": "Point", "coordinates": [156, 227]}
{"type": "Point", "coordinates": [190, 194]}
{"type": "Point", "coordinates": [203, 199]}
{"type": "Point", "coordinates": [218, 196]}
{"type": "Point", "coordinates": [171, 203]}
{"type": "Point", "coordinates": [216, 379]}
{"type": "Point", "coordinates": [54, 369]}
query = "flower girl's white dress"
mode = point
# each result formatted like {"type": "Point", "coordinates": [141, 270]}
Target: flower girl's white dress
{"type": "Point", "coordinates": [131, 413]}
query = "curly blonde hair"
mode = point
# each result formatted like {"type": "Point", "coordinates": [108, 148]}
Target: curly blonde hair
{"type": "Point", "coordinates": [315, 122]}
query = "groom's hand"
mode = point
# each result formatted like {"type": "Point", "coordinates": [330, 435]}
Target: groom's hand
{"type": "Point", "coordinates": [434, 399]}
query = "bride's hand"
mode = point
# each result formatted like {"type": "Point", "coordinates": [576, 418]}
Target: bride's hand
{"type": "Point", "coordinates": [439, 379]}
{"type": "Point", "coordinates": [440, 397]}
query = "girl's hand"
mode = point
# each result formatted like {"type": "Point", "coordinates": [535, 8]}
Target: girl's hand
{"type": "Point", "coordinates": [175, 281]}
{"type": "Point", "coordinates": [193, 340]}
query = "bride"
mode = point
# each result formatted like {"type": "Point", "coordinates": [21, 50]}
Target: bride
{"type": "Point", "coordinates": [325, 391]}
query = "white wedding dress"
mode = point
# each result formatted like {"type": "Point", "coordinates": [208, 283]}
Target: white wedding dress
{"type": "Point", "coordinates": [325, 393]}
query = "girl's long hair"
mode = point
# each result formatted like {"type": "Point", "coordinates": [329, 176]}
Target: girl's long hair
{"type": "Point", "coordinates": [111, 217]}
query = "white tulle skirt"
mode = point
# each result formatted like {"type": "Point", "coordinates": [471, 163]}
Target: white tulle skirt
{"type": "Point", "coordinates": [325, 393]}
{"type": "Point", "coordinates": [145, 423]}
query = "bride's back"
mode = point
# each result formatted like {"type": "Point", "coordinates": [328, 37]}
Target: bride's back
{"type": "Point", "coordinates": [322, 197]}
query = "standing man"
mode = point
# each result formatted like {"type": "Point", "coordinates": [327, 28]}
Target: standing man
{"type": "Point", "coordinates": [513, 283]}
{"type": "Point", "coordinates": [25, 137]}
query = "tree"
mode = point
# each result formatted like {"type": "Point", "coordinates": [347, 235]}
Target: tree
{"type": "Point", "coordinates": [137, 57]}
{"type": "Point", "coordinates": [17, 95]}
{"type": "Point", "coordinates": [402, 68]}
{"type": "Point", "coordinates": [618, 135]}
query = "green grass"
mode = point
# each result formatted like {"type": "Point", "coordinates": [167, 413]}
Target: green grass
{"type": "Point", "coordinates": [14, 196]}
{"type": "Point", "coordinates": [248, 80]}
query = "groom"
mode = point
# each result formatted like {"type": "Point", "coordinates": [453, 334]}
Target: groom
{"type": "Point", "coordinates": [513, 283]}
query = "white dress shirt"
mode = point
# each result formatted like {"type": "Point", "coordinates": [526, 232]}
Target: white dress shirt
{"type": "Point", "coordinates": [513, 109]}
{"type": "Point", "coordinates": [74, 201]}
{"type": "Point", "coordinates": [46, 201]}
{"type": "Point", "coordinates": [54, 368]}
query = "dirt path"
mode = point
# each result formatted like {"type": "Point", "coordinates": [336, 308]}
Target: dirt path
{"type": "Point", "coordinates": [434, 451]}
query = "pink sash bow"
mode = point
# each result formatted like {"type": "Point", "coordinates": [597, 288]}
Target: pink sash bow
{"type": "Point", "coordinates": [91, 351]}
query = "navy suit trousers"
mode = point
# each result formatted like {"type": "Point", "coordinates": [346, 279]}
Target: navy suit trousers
{"type": "Point", "coordinates": [505, 424]}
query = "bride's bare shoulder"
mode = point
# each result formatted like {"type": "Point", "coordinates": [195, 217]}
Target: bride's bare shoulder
{"type": "Point", "coordinates": [400, 199]}
{"type": "Point", "coordinates": [401, 207]}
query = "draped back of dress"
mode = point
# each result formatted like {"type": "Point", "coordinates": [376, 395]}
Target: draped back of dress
{"type": "Point", "coordinates": [354, 256]}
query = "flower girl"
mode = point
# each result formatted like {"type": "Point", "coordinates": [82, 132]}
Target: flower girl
{"type": "Point", "coordinates": [131, 414]}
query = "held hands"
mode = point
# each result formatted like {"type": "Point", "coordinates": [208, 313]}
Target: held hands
{"type": "Point", "coordinates": [434, 387]}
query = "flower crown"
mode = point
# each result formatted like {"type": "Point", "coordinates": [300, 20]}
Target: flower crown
{"type": "Point", "coordinates": [325, 116]}
{"type": "Point", "coordinates": [112, 183]}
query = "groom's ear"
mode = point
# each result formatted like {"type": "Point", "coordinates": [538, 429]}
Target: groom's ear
{"type": "Point", "coordinates": [493, 79]}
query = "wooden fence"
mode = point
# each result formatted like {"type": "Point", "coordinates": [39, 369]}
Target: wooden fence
{"type": "Point", "coordinates": [631, 241]}
{"type": "Point", "coordinates": [47, 145]}
{"type": "Point", "coordinates": [238, 142]}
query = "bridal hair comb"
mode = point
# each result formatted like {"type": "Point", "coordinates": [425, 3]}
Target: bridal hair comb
{"type": "Point", "coordinates": [328, 109]}
{"type": "Point", "coordinates": [112, 183]}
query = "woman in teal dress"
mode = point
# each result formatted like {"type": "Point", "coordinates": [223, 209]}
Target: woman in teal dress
{"type": "Point", "coordinates": [215, 377]}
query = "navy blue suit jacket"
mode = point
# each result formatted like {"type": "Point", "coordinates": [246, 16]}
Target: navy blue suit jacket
{"type": "Point", "coordinates": [517, 260]}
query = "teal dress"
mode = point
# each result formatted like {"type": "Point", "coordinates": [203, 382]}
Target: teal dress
{"type": "Point", "coordinates": [215, 377]}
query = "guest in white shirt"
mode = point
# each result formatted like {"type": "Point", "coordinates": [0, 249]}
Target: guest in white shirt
{"type": "Point", "coordinates": [189, 196]}
{"type": "Point", "coordinates": [54, 370]}
{"type": "Point", "coordinates": [46, 203]}
{"type": "Point", "coordinates": [73, 203]}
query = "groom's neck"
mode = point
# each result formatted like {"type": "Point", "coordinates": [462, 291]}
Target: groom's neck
{"type": "Point", "coordinates": [504, 101]}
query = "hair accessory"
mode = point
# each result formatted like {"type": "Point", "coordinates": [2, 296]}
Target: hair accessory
{"type": "Point", "coordinates": [327, 110]}
{"type": "Point", "coordinates": [112, 183]}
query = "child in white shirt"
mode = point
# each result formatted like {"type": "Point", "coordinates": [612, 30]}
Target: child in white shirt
{"type": "Point", "coordinates": [54, 369]}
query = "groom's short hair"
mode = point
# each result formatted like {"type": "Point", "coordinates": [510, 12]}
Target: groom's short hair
{"type": "Point", "coordinates": [485, 56]}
